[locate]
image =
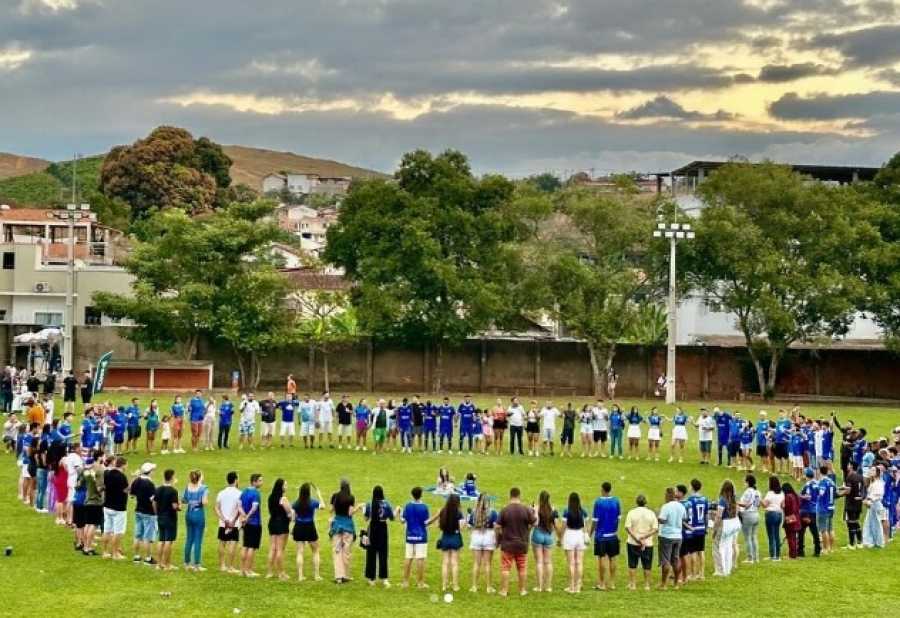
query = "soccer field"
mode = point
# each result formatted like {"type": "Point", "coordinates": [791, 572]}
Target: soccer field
{"type": "Point", "coordinates": [43, 569]}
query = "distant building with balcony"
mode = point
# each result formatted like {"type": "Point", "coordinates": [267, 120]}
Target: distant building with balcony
{"type": "Point", "coordinates": [307, 184]}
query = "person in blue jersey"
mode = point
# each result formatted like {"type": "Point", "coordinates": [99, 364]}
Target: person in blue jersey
{"type": "Point", "coordinates": [97, 432]}
{"type": "Point", "coordinates": [749, 504]}
{"type": "Point", "coordinates": [133, 426]}
{"type": "Point", "coordinates": [377, 513]}
{"type": "Point", "coordinates": [782, 442]}
{"type": "Point", "coordinates": [250, 509]}
{"type": "Point", "coordinates": [415, 516]}
{"type": "Point", "coordinates": [481, 445]}
{"type": "Point", "coordinates": [892, 487]}
{"type": "Point", "coordinates": [86, 437]}
{"type": "Point", "coordinates": [680, 421]}
{"type": "Point", "coordinates": [151, 416]}
{"type": "Point", "coordinates": [685, 553]}
{"type": "Point", "coordinates": [763, 437]}
{"type": "Point", "coordinates": [120, 430]}
{"type": "Point", "coordinates": [809, 501]}
{"type": "Point", "coordinates": [824, 442]}
{"type": "Point", "coordinates": [482, 541]}
{"type": "Point", "coordinates": [810, 430]}
{"type": "Point", "coordinates": [605, 517]}
{"type": "Point", "coordinates": [699, 517]}
{"type": "Point", "coordinates": [405, 426]}
{"type": "Point", "coordinates": [177, 425]}
{"type": "Point", "coordinates": [307, 410]}
{"type": "Point", "coordinates": [446, 415]}
{"type": "Point", "coordinates": [305, 532]}
{"type": "Point", "coordinates": [226, 419]}
{"type": "Point", "coordinates": [429, 426]}
{"type": "Point", "coordinates": [826, 494]}
{"type": "Point", "coordinates": [797, 445]}
{"type": "Point", "coordinates": [362, 415]}
{"type": "Point", "coordinates": [65, 428]}
{"type": "Point", "coordinates": [196, 410]}
{"type": "Point", "coordinates": [466, 411]}
{"type": "Point", "coordinates": [288, 427]}
{"type": "Point", "coordinates": [734, 440]}
{"type": "Point", "coordinates": [451, 522]}
{"type": "Point", "coordinates": [746, 437]}
{"type": "Point", "coordinates": [616, 431]}
{"type": "Point", "coordinates": [654, 433]}
{"type": "Point", "coordinates": [634, 420]}
{"type": "Point", "coordinates": [723, 428]}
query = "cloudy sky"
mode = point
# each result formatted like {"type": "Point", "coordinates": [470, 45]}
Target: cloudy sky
{"type": "Point", "coordinates": [522, 86]}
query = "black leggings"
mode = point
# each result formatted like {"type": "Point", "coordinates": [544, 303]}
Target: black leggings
{"type": "Point", "coordinates": [222, 441]}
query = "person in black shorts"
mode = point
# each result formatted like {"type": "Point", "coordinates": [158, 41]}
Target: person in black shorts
{"type": "Point", "coordinates": [305, 532]}
{"type": "Point", "coordinates": [87, 389]}
{"type": "Point", "coordinates": [70, 384]}
{"type": "Point", "coordinates": [279, 526]}
{"type": "Point", "coordinates": [167, 506]}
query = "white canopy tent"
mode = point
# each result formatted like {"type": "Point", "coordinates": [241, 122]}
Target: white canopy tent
{"type": "Point", "coordinates": [40, 344]}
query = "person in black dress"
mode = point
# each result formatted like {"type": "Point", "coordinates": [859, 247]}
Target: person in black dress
{"type": "Point", "coordinates": [377, 513]}
{"type": "Point", "coordinates": [87, 389]}
{"type": "Point", "coordinates": [70, 385]}
{"type": "Point", "coordinates": [280, 514]}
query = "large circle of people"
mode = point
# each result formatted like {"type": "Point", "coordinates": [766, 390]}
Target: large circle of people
{"type": "Point", "coordinates": [80, 470]}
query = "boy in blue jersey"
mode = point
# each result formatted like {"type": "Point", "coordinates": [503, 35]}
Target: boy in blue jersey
{"type": "Point", "coordinates": [466, 413]}
{"type": "Point", "coordinates": [65, 428]}
{"type": "Point", "coordinates": [763, 438]}
{"type": "Point", "coordinates": [605, 531]}
{"type": "Point", "coordinates": [782, 441]}
{"type": "Point", "coordinates": [133, 426]}
{"type": "Point", "coordinates": [288, 428]}
{"type": "Point", "coordinates": [196, 410]}
{"type": "Point", "coordinates": [826, 494]}
{"type": "Point", "coordinates": [734, 440]}
{"type": "Point", "coordinates": [698, 514]}
{"type": "Point", "coordinates": [226, 418]}
{"type": "Point", "coordinates": [415, 515]}
{"type": "Point", "coordinates": [429, 426]}
{"type": "Point", "coordinates": [808, 521]}
{"type": "Point", "coordinates": [797, 446]}
{"type": "Point", "coordinates": [119, 429]}
{"type": "Point", "coordinates": [250, 509]}
{"type": "Point", "coordinates": [405, 425]}
{"type": "Point", "coordinates": [723, 428]}
{"type": "Point", "coordinates": [446, 414]}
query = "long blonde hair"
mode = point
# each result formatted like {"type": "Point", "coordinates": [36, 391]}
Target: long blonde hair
{"type": "Point", "coordinates": [482, 512]}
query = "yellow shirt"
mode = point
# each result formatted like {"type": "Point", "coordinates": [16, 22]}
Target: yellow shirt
{"type": "Point", "coordinates": [36, 414]}
{"type": "Point", "coordinates": [640, 521]}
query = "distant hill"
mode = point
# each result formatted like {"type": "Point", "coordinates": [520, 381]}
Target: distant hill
{"type": "Point", "coordinates": [14, 165]}
{"type": "Point", "coordinates": [27, 181]}
{"type": "Point", "coordinates": [251, 165]}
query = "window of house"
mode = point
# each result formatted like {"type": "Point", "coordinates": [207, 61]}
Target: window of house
{"type": "Point", "coordinates": [9, 260]}
{"type": "Point", "coordinates": [48, 318]}
{"type": "Point", "coordinates": [2, 315]}
{"type": "Point", "coordinates": [92, 316]}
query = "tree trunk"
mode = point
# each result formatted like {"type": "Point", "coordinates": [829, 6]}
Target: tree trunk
{"type": "Point", "coordinates": [437, 369]}
{"type": "Point", "coordinates": [325, 368]}
{"type": "Point", "coordinates": [241, 368]}
{"type": "Point", "coordinates": [777, 353]}
{"type": "Point", "coordinates": [601, 360]}
{"type": "Point", "coordinates": [257, 369]}
{"type": "Point", "coordinates": [760, 372]}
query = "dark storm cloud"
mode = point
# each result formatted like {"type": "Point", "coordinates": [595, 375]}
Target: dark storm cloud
{"type": "Point", "coordinates": [664, 107]}
{"type": "Point", "coordinates": [865, 47]}
{"type": "Point", "coordinates": [779, 74]}
{"type": "Point", "coordinates": [792, 106]}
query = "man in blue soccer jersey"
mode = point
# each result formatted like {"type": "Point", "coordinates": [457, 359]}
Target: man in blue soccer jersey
{"type": "Point", "coordinates": [808, 507]}
{"type": "Point", "coordinates": [466, 413]}
{"type": "Point", "coordinates": [605, 532]}
{"type": "Point", "coordinates": [826, 493]}
{"type": "Point", "coordinates": [429, 426]}
{"type": "Point", "coordinates": [782, 441]}
{"type": "Point", "coordinates": [446, 414]}
{"type": "Point", "coordinates": [699, 512]}
{"type": "Point", "coordinates": [723, 428]}
{"type": "Point", "coordinates": [405, 426]}
{"type": "Point", "coordinates": [288, 427]}
{"type": "Point", "coordinates": [734, 440]}
{"type": "Point", "coordinates": [762, 441]}
{"type": "Point", "coordinates": [196, 411]}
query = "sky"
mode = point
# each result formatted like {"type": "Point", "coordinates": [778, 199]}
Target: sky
{"type": "Point", "coordinates": [520, 86]}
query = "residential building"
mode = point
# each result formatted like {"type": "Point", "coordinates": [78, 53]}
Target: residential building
{"type": "Point", "coordinates": [306, 184]}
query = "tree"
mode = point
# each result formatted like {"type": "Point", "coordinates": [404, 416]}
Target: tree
{"type": "Point", "coordinates": [430, 254]}
{"type": "Point", "coordinates": [167, 169]}
{"type": "Point", "coordinates": [192, 273]}
{"type": "Point", "coordinates": [329, 333]}
{"type": "Point", "coordinates": [779, 252]}
{"type": "Point", "coordinates": [595, 271]}
{"type": "Point", "coordinates": [650, 327]}
{"type": "Point", "coordinates": [545, 182]}
{"type": "Point", "coordinates": [881, 260]}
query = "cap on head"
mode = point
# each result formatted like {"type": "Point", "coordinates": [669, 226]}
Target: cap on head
{"type": "Point", "coordinates": [147, 467]}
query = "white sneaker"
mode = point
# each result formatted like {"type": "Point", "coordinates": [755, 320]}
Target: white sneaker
{"type": "Point", "coordinates": [340, 447]}
{"type": "Point", "coordinates": [164, 452]}
{"type": "Point", "coordinates": [357, 448]}
{"type": "Point", "coordinates": [365, 449]}
{"type": "Point", "coordinates": [531, 453]}
{"type": "Point", "coordinates": [671, 459]}
{"type": "Point", "coordinates": [449, 451]}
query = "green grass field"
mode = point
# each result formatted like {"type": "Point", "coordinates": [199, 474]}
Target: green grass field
{"type": "Point", "coordinates": [46, 567]}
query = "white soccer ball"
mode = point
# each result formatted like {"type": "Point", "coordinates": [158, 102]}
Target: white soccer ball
{"type": "Point", "coordinates": [237, 611]}
{"type": "Point", "coordinates": [448, 598]}
{"type": "Point", "coordinates": [622, 478]}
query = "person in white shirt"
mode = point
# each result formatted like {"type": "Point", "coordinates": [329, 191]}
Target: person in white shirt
{"type": "Point", "coordinates": [73, 464]}
{"type": "Point", "coordinates": [586, 417]}
{"type": "Point", "coordinates": [705, 425]}
{"type": "Point", "coordinates": [47, 404]}
{"type": "Point", "coordinates": [600, 429]}
{"type": "Point", "coordinates": [515, 414]}
{"type": "Point", "coordinates": [249, 412]}
{"type": "Point", "coordinates": [325, 418]}
{"type": "Point", "coordinates": [228, 511]}
{"type": "Point", "coordinates": [549, 414]}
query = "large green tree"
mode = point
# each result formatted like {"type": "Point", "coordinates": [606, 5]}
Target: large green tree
{"type": "Point", "coordinates": [595, 267]}
{"type": "Point", "coordinates": [881, 260]}
{"type": "Point", "coordinates": [167, 169]}
{"type": "Point", "coordinates": [210, 276]}
{"type": "Point", "coordinates": [780, 253]}
{"type": "Point", "coordinates": [430, 253]}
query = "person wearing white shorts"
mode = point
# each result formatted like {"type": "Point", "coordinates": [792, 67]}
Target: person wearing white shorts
{"type": "Point", "coordinates": [288, 429]}
{"type": "Point", "coordinates": [416, 551]}
{"type": "Point", "coordinates": [267, 430]}
{"type": "Point", "coordinates": [325, 418]}
{"type": "Point", "coordinates": [549, 413]}
{"type": "Point", "coordinates": [114, 521]}
{"type": "Point", "coordinates": [483, 540]}
{"type": "Point", "coordinates": [574, 540]}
